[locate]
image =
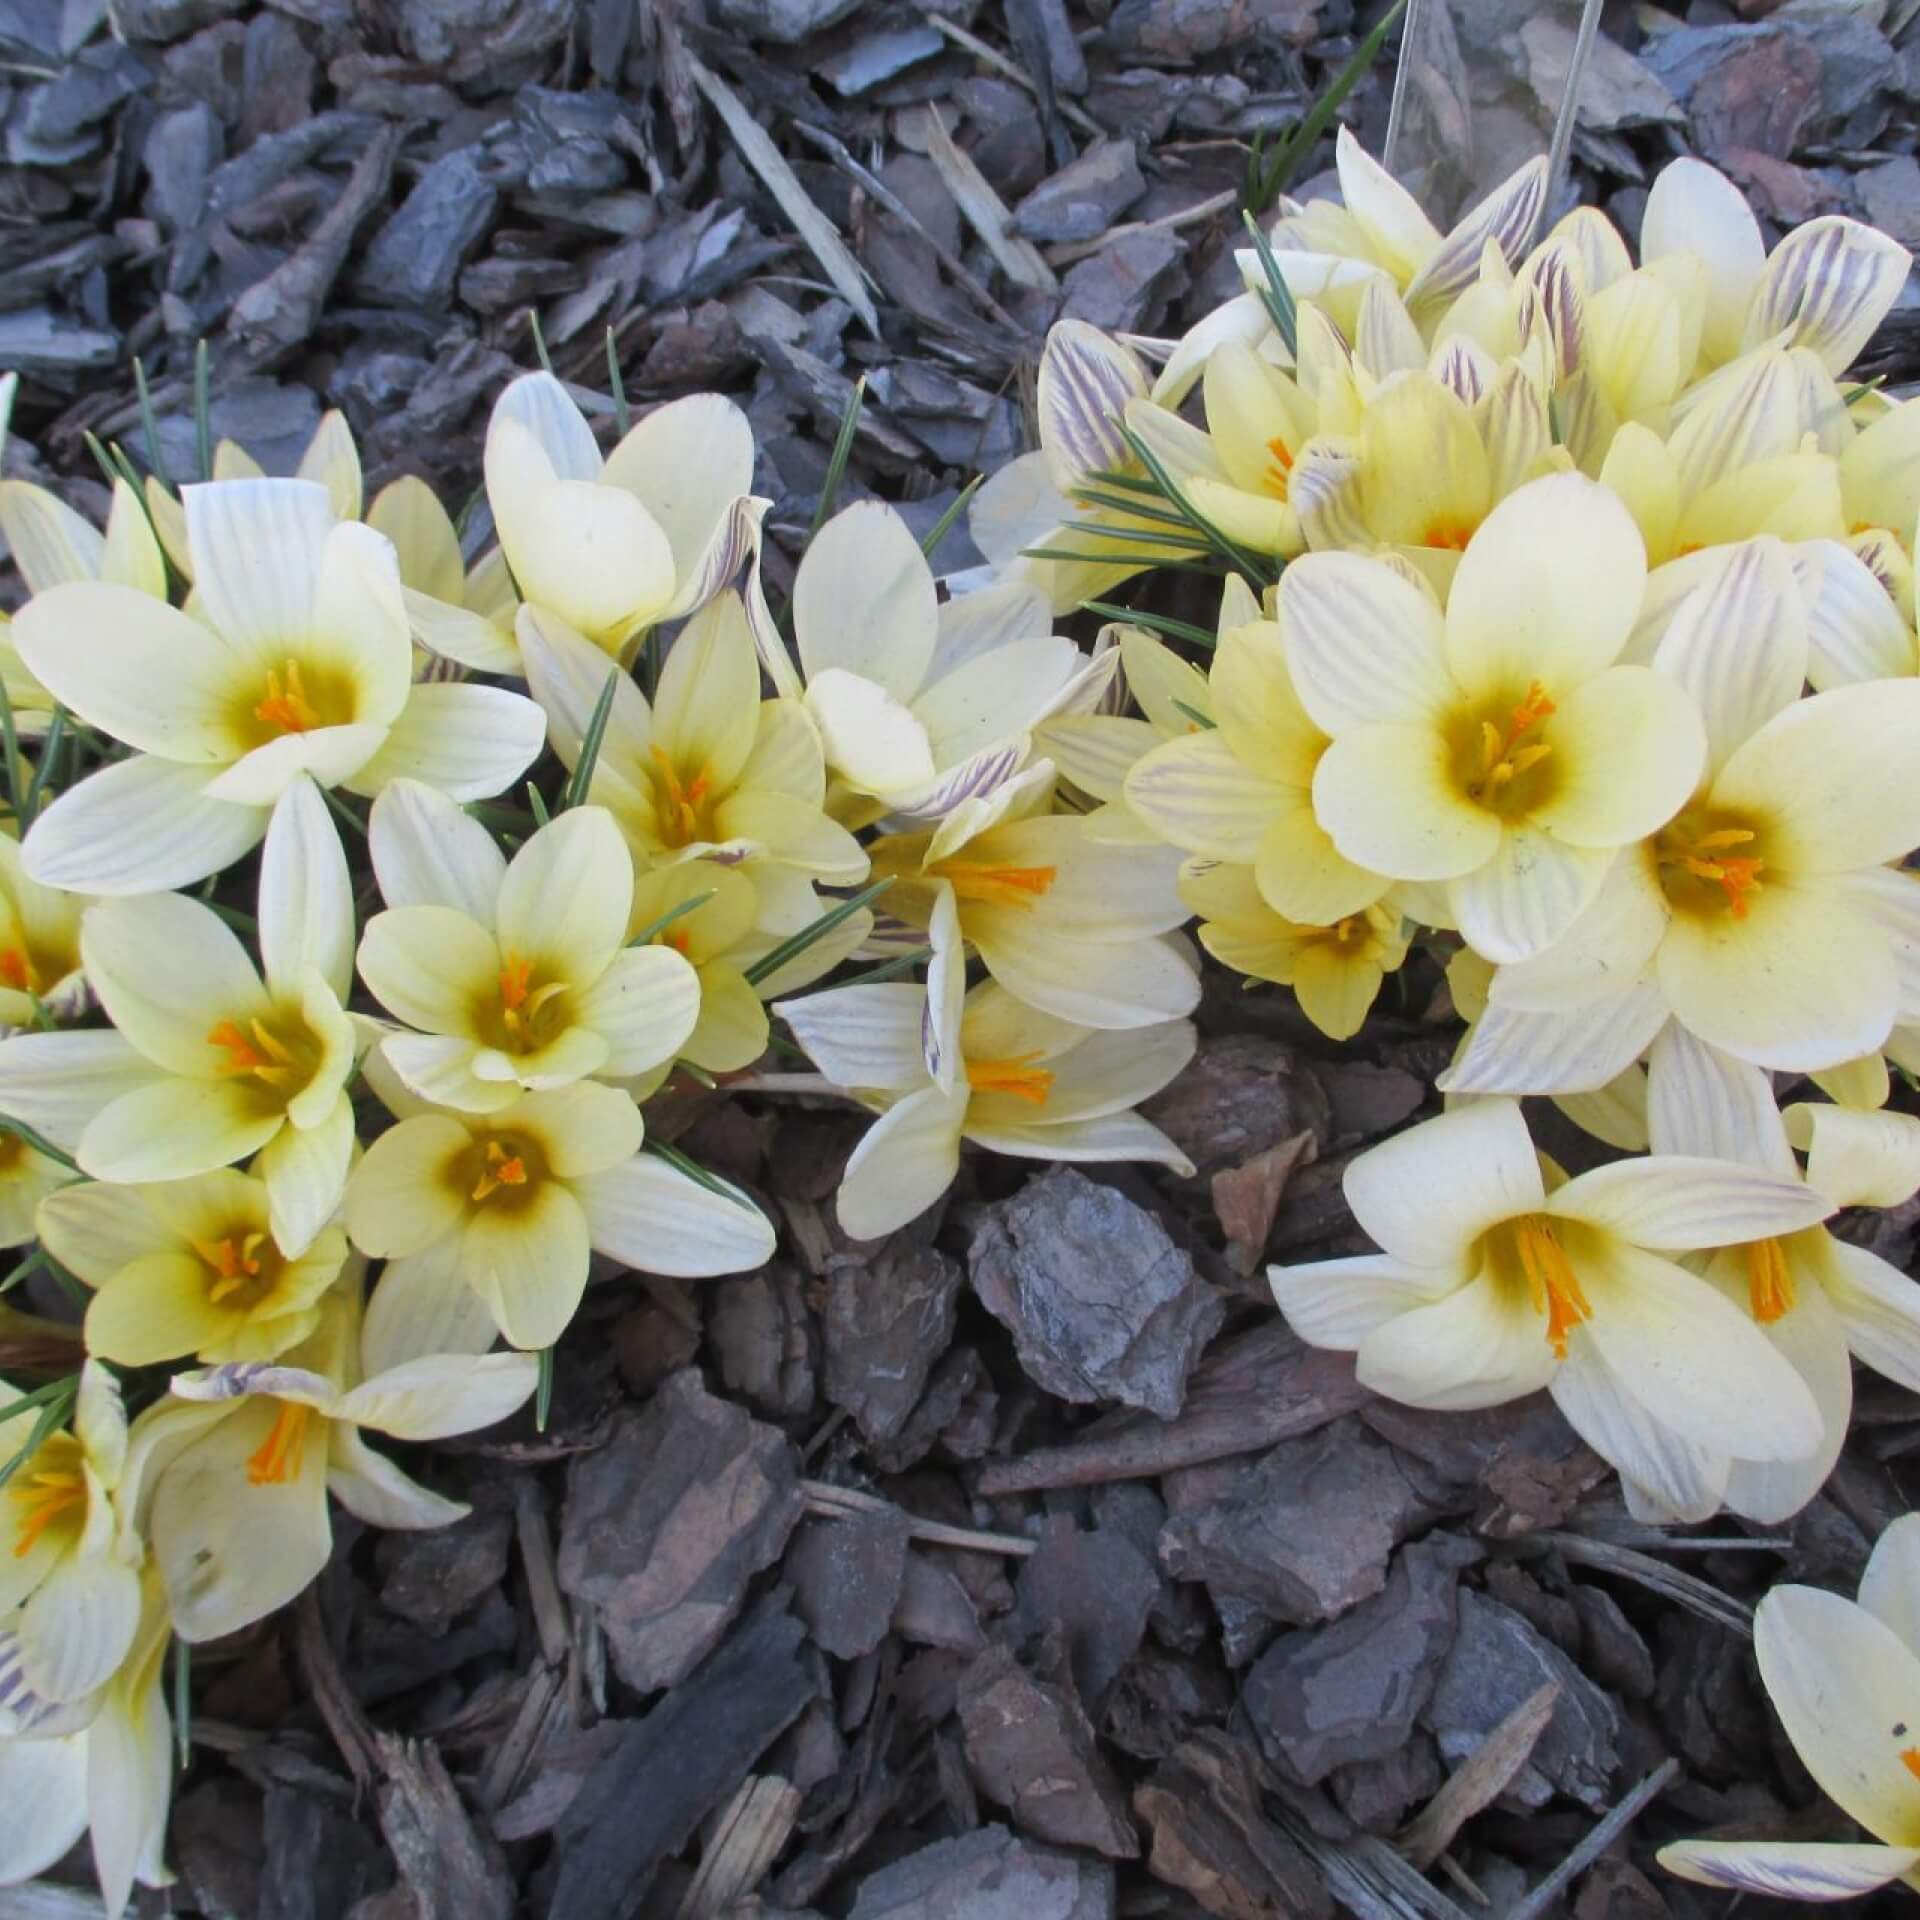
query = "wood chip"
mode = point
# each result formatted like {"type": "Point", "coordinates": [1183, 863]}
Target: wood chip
{"type": "Point", "coordinates": [1480, 1779]}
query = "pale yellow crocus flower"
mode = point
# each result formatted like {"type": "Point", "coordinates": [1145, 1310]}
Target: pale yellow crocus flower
{"type": "Point", "coordinates": [505, 1210]}
{"type": "Point", "coordinates": [523, 980]}
{"type": "Point", "coordinates": [708, 770]}
{"type": "Point", "coordinates": [943, 1065]}
{"type": "Point", "coordinates": [230, 1476]}
{"type": "Point", "coordinates": [1820, 1300]}
{"type": "Point", "coordinates": [1335, 970]}
{"type": "Point", "coordinates": [612, 546]}
{"type": "Point", "coordinates": [69, 1593]}
{"type": "Point", "coordinates": [113, 1776]}
{"type": "Point", "coordinates": [1844, 1677]}
{"type": "Point", "coordinates": [1496, 1280]}
{"type": "Point", "coordinates": [184, 1267]}
{"type": "Point", "coordinates": [1826, 286]}
{"type": "Point", "coordinates": [1062, 919]}
{"type": "Point", "coordinates": [918, 705]}
{"type": "Point", "coordinates": [209, 1061]}
{"type": "Point", "coordinates": [299, 663]}
{"type": "Point", "coordinates": [39, 945]}
{"type": "Point", "coordinates": [1241, 791]}
{"type": "Point", "coordinates": [1501, 749]}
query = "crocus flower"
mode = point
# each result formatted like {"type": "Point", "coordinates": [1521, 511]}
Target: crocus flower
{"type": "Point", "coordinates": [1844, 1677]}
{"type": "Point", "coordinates": [1501, 749]}
{"type": "Point", "coordinates": [1491, 1285]}
{"type": "Point", "coordinates": [300, 662]}
{"type": "Point", "coordinates": [516, 973]}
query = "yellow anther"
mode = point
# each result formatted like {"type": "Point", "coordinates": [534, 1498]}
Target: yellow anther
{"type": "Point", "coordinates": [45, 1496]}
{"type": "Point", "coordinates": [990, 885]}
{"type": "Point", "coordinates": [503, 1168]}
{"type": "Point", "coordinates": [286, 705]}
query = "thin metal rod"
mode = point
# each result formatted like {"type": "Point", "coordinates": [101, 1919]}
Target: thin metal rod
{"type": "Point", "coordinates": [1569, 105]}
{"type": "Point", "coordinates": [1409, 47]}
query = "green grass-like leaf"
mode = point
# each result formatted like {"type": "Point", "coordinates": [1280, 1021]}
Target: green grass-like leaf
{"type": "Point", "coordinates": [1155, 622]}
{"type": "Point", "coordinates": [796, 944]}
{"type": "Point", "coordinates": [581, 779]}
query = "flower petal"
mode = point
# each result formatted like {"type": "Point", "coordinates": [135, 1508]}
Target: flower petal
{"type": "Point", "coordinates": [399, 1201]}
{"type": "Point", "coordinates": [1390, 802]}
{"type": "Point", "coordinates": [306, 894]}
{"type": "Point", "coordinates": [1788, 1869]}
{"type": "Point", "coordinates": [864, 601]}
{"type": "Point", "coordinates": [864, 1037]}
{"type": "Point", "coordinates": [1671, 1203]}
{"type": "Point", "coordinates": [1857, 1159]}
{"type": "Point", "coordinates": [905, 1161]}
{"type": "Point", "coordinates": [1630, 750]}
{"type": "Point", "coordinates": [1702, 1101]}
{"type": "Point", "coordinates": [687, 463]}
{"type": "Point", "coordinates": [1695, 210]}
{"type": "Point", "coordinates": [469, 741]}
{"type": "Point", "coordinates": [1533, 889]}
{"type": "Point", "coordinates": [1364, 645]}
{"type": "Point", "coordinates": [1468, 1349]}
{"type": "Point", "coordinates": [1427, 1194]}
{"type": "Point", "coordinates": [438, 1395]}
{"type": "Point", "coordinates": [256, 547]}
{"type": "Point", "coordinates": [430, 852]}
{"type": "Point", "coordinates": [1679, 1478]}
{"type": "Point", "coordinates": [305, 1169]}
{"type": "Point", "coordinates": [1198, 794]}
{"type": "Point", "coordinates": [530, 1265]}
{"type": "Point", "coordinates": [432, 967]}
{"type": "Point", "coordinates": [1827, 286]}
{"type": "Point", "coordinates": [172, 1129]}
{"type": "Point", "coordinates": [139, 826]}
{"type": "Point", "coordinates": [1890, 1586]}
{"type": "Point", "coordinates": [645, 1005]}
{"type": "Point", "coordinates": [566, 898]}
{"type": "Point", "coordinates": [650, 1216]}
{"type": "Point", "coordinates": [424, 1305]}
{"type": "Point", "coordinates": [1880, 1308]}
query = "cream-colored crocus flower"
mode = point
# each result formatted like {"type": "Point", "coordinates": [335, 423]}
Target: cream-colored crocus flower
{"type": "Point", "coordinates": [535, 989]}
{"type": "Point", "coordinates": [69, 1591]}
{"type": "Point", "coordinates": [211, 1061]}
{"type": "Point", "coordinates": [1500, 750]}
{"type": "Point", "coordinates": [1242, 790]}
{"type": "Point", "coordinates": [27, 1176]}
{"type": "Point", "coordinates": [1819, 1299]}
{"type": "Point", "coordinates": [612, 546]}
{"type": "Point", "coordinates": [39, 946]}
{"type": "Point", "coordinates": [1844, 1677]}
{"type": "Point", "coordinates": [231, 1475]}
{"type": "Point", "coordinates": [114, 1776]}
{"type": "Point", "coordinates": [918, 705]}
{"type": "Point", "coordinates": [506, 1209]}
{"type": "Point", "coordinates": [1063, 920]}
{"type": "Point", "coordinates": [1335, 971]}
{"type": "Point", "coordinates": [1494, 1281]}
{"type": "Point", "coordinates": [943, 1065]}
{"type": "Point", "coordinates": [707, 914]}
{"type": "Point", "coordinates": [187, 1267]}
{"type": "Point", "coordinates": [462, 616]}
{"type": "Point", "coordinates": [1826, 286]}
{"type": "Point", "coordinates": [1763, 916]}
{"type": "Point", "coordinates": [709, 771]}
{"type": "Point", "coordinates": [300, 663]}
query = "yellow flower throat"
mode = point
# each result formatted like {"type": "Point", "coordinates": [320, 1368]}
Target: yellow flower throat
{"type": "Point", "coordinates": [1016, 1076]}
{"type": "Point", "coordinates": [1505, 754]}
{"type": "Point", "coordinates": [45, 1496]}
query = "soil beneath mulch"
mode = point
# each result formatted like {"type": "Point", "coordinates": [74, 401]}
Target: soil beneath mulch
{"type": "Point", "coordinates": [1022, 1566]}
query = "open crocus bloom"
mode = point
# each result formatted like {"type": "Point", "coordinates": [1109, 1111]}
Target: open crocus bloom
{"type": "Point", "coordinates": [918, 705]}
{"type": "Point", "coordinates": [490, 1220]}
{"type": "Point", "coordinates": [217, 1062]}
{"type": "Point", "coordinates": [945, 1065]}
{"type": "Point", "coordinates": [1844, 1677]}
{"type": "Point", "coordinates": [1818, 1299]}
{"type": "Point", "coordinates": [1500, 749]}
{"type": "Point", "coordinates": [707, 913]}
{"type": "Point", "coordinates": [1762, 917]}
{"type": "Point", "coordinates": [1064, 920]}
{"type": "Point", "coordinates": [1826, 286]}
{"type": "Point", "coordinates": [517, 973]}
{"type": "Point", "coordinates": [231, 1475]}
{"type": "Point", "coordinates": [1490, 1286]}
{"type": "Point", "coordinates": [69, 1599]}
{"type": "Point", "coordinates": [299, 663]}
{"type": "Point", "coordinates": [1335, 970]}
{"type": "Point", "coordinates": [1241, 791]}
{"type": "Point", "coordinates": [612, 546]}
{"type": "Point", "coordinates": [114, 1775]}
{"type": "Point", "coordinates": [709, 771]}
{"type": "Point", "coordinates": [39, 945]}
{"type": "Point", "coordinates": [187, 1267]}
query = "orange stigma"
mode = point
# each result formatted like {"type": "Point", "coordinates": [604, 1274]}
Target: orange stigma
{"type": "Point", "coordinates": [1502, 756]}
{"type": "Point", "coordinates": [286, 705]}
{"type": "Point", "coordinates": [503, 1169]}
{"type": "Point", "coordinates": [1910, 1759]}
{"type": "Point", "coordinates": [1769, 1281]}
{"type": "Point", "coordinates": [1709, 858]}
{"type": "Point", "coordinates": [46, 1496]}
{"type": "Point", "coordinates": [254, 1051]}
{"type": "Point", "coordinates": [1016, 1076]}
{"type": "Point", "coordinates": [1554, 1284]}
{"type": "Point", "coordinates": [1451, 534]}
{"type": "Point", "coordinates": [277, 1459]}
{"type": "Point", "coordinates": [16, 970]}
{"type": "Point", "coordinates": [994, 886]}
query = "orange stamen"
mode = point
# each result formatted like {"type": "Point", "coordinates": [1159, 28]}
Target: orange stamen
{"type": "Point", "coordinates": [255, 1051]}
{"type": "Point", "coordinates": [995, 886]}
{"type": "Point", "coordinates": [1502, 757]}
{"type": "Point", "coordinates": [46, 1496]}
{"type": "Point", "coordinates": [277, 1459]}
{"type": "Point", "coordinates": [515, 978]}
{"type": "Point", "coordinates": [1910, 1759]}
{"type": "Point", "coordinates": [1534, 708]}
{"type": "Point", "coordinates": [1450, 534]}
{"type": "Point", "coordinates": [15, 971]}
{"type": "Point", "coordinates": [234, 1261]}
{"type": "Point", "coordinates": [1017, 1076]}
{"type": "Point", "coordinates": [242, 1055]}
{"type": "Point", "coordinates": [1736, 875]}
{"type": "Point", "coordinates": [1554, 1284]}
{"type": "Point", "coordinates": [682, 800]}
{"type": "Point", "coordinates": [1769, 1281]}
{"type": "Point", "coordinates": [503, 1169]}
{"type": "Point", "coordinates": [1280, 474]}
{"type": "Point", "coordinates": [286, 705]}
